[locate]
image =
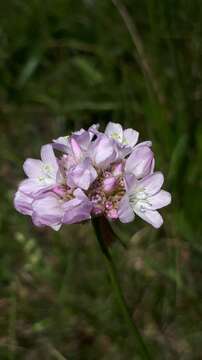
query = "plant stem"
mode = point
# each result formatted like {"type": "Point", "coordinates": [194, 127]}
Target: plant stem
{"type": "Point", "coordinates": [143, 351]}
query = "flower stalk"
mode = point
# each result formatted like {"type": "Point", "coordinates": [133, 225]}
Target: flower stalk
{"type": "Point", "coordinates": [103, 243]}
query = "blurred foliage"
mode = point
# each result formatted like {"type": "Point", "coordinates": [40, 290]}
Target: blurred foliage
{"type": "Point", "coordinates": [64, 65]}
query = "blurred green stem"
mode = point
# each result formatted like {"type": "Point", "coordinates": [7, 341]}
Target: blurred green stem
{"type": "Point", "coordinates": [143, 350]}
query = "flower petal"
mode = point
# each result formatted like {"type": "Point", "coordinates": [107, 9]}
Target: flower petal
{"type": "Point", "coordinates": [33, 187]}
{"type": "Point", "coordinates": [76, 149]}
{"type": "Point", "coordinates": [152, 217]}
{"type": "Point", "coordinates": [48, 156]}
{"type": "Point", "coordinates": [61, 144]}
{"type": "Point", "coordinates": [114, 131]}
{"type": "Point", "coordinates": [82, 175]}
{"type": "Point", "coordinates": [48, 210]}
{"type": "Point", "coordinates": [125, 212]}
{"type": "Point", "coordinates": [23, 203]}
{"type": "Point", "coordinates": [161, 199]}
{"type": "Point", "coordinates": [82, 138]}
{"type": "Point", "coordinates": [103, 151]}
{"type": "Point", "coordinates": [130, 182]}
{"type": "Point", "coordinates": [130, 137]}
{"type": "Point", "coordinates": [77, 209]}
{"type": "Point", "coordinates": [140, 162]}
{"type": "Point", "coordinates": [144, 143]}
{"type": "Point", "coordinates": [152, 183]}
{"type": "Point", "coordinates": [33, 168]}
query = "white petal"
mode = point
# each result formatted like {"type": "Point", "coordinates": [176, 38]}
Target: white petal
{"type": "Point", "coordinates": [48, 156]}
{"type": "Point", "coordinates": [161, 199]}
{"type": "Point", "coordinates": [144, 143]}
{"type": "Point", "coordinates": [152, 217]}
{"type": "Point", "coordinates": [152, 183]}
{"type": "Point", "coordinates": [115, 131]}
{"type": "Point", "coordinates": [33, 168]}
{"type": "Point", "coordinates": [130, 137]}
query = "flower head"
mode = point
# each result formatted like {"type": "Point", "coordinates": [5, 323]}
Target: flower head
{"type": "Point", "coordinates": [96, 174]}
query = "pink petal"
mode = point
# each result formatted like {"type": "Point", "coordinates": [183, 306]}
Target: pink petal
{"type": "Point", "coordinates": [32, 187]}
{"type": "Point", "coordinates": [48, 156]}
{"type": "Point", "coordinates": [77, 209]}
{"type": "Point", "coordinates": [144, 143]}
{"type": "Point", "coordinates": [118, 169]}
{"type": "Point", "coordinates": [130, 137]}
{"type": "Point", "coordinates": [48, 210]}
{"type": "Point", "coordinates": [152, 217]}
{"type": "Point", "coordinates": [103, 151]}
{"type": "Point", "coordinates": [161, 199]}
{"type": "Point", "coordinates": [61, 144]}
{"type": "Point", "coordinates": [152, 183]}
{"type": "Point", "coordinates": [82, 175]}
{"type": "Point", "coordinates": [125, 212]}
{"type": "Point", "coordinates": [82, 138]}
{"type": "Point", "coordinates": [76, 149]}
{"type": "Point", "coordinates": [140, 162]}
{"type": "Point", "coordinates": [33, 168]}
{"type": "Point", "coordinates": [23, 203]}
{"type": "Point", "coordinates": [130, 182]}
{"type": "Point", "coordinates": [114, 129]}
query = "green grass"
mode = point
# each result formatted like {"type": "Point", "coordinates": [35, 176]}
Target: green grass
{"type": "Point", "coordinates": [64, 65]}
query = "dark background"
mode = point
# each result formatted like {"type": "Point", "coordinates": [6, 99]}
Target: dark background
{"type": "Point", "coordinates": [64, 65]}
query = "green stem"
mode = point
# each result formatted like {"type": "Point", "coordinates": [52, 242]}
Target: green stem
{"type": "Point", "coordinates": [143, 351]}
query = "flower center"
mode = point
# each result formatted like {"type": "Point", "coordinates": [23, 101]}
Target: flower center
{"type": "Point", "coordinates": [116, 136]}
{"type": "Point", "coordinates": [139, 200]}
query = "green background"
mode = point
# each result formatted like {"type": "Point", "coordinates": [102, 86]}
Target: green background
{"type": "Point", "coordinates": [67, 64]}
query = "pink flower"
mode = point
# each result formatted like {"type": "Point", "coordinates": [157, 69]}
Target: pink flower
{"type": "Point", "coordinates": [126, 139]}
{"type": "Point", "coordinates": [97, 174]}
{"type": "Point", "coordinates": [42, 174]}
{"type": "Point", "coordinates": [143, 198]}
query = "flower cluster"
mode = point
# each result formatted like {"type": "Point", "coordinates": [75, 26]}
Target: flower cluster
{"type": "Point", "coordinates": [96, 174]}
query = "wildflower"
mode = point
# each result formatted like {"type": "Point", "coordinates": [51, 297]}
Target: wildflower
{"type": "Point", "coordinates": [143, 198]}
{"type": "Point", "coordinates": [96, 174]}
{"type": "Point", "coordinates": [126, 139]}
{"type": "Point", "coordinates": [41, 173]}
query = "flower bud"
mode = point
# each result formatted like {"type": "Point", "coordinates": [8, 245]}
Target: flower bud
{"type": "Point", "coordinates": [109, 184]}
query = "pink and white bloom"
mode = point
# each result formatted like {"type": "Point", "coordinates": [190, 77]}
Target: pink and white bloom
{"type": "Point", "coordinates": [144, 198]}
{"type": "Point", "coordinates": [42, 174]}
{"type": "Point", "coordinates": [97, 174]}
{"type": "Point", "coordinates": [126, 139]}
